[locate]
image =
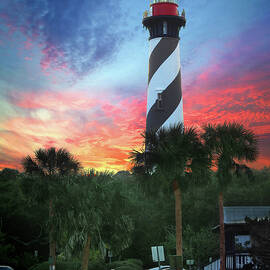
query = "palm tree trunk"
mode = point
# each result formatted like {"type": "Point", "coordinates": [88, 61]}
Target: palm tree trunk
{"type": "Point", "coordinates": [178, 220]}
{"type": "Point", "coordinates": [51, 236]}
{"type": "Point", "coordinates": [222, 233]}
{"type": "Point", "coordinates": [86, 251]}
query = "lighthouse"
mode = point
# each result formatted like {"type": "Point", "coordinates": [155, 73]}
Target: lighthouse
{"type": "Point", "coordinates": [164, 93]}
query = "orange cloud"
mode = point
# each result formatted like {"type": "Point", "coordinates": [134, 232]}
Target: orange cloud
{"type": "Point", "coordinates": [99, 133]}
{"type": "Point", "coordinates": [57, 101]}
{"type": "Point", "coordinates": [215, 96]}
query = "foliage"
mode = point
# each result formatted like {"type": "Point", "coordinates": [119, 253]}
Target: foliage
{"type": "Point", "coordinates": [38, 193]}
{"type": "Point", "coordinates": [126, 265]}
{"type": "Point", "coordinates": [117, 226]}
{"type": "Point", "coordinates": [78, 210]}
{"type": "Point", "coordinates": [174, 153]}
{"type": "Point", "coordinates": [8, 173]}
{"type": "Point", "coordinates": [9, 256]}
{"type": "Point", "coordinates": [200, 207]}
{"type": "Point", "coordinates": [47, 166]}
{"type": "Point", "coordinates": [29, 236]}
{"type": "Point", "coordinates": [125, 213]}
{"type": "Point", "coordinates": [176, 156]}
{"type": "Point", "coordinates": [51, 161]}
{"type": "Point", "coordinates": [243, 191]}
{"type": "Point", "coordinates": [94, 205]}
{"type": "Point", "coordinates": [7, 251]}
{"type": "Point", "coordinates": [72, 265]}
{"type": "Point", "coordinates": [198, 245]}
{"type": "Point", "coordinates": [135, 261]}
{"type": "Point", "coordinates": [59, 266]}
{"type": "Point", "coordinates": [229, 144]}
{"type": "Point", "coordinates": [150, 225]}
{"type": "Point", "coordinates": [260, 235]}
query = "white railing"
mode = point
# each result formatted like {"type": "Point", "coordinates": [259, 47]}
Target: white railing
{"type": "Point", "coordinates": [164, 1]}
{"type": "Point", "coordinates": [233, 262]}
{"type": "Point", "coordinates": [215, 265]}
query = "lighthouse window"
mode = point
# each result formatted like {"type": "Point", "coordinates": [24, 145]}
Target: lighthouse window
{"type": "Point", "coordinates": [159, 102]}
{"type": "Point", "coordinates": [165, 28]}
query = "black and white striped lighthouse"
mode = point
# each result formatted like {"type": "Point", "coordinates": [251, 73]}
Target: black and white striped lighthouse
{"type": "Point", "coordinates": [164, 94]}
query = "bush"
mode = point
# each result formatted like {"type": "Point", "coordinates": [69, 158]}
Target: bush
{"type": "Point", "coordinates": [98, 265]}
{"type": "Point", "coordinates": [70, 266]}
{"type": "Point", "coordinates": [126, 267]}
{"type": "Point", "coordinates": [136, 261]}
{"type": "Point", "coordinates": [130, 264]}
{"type": "Point", "coordinates": [59, 266]}
{"type": "Point", "coordinates": [115, 264]}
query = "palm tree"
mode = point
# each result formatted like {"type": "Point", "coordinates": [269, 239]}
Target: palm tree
{"type": "Point", "coordinates": [229, 143]}
{"type": "Point", "coordinates": [50, 163]}
{"type": "Point", "coordinates": [176, 154]}
{"type": "Point", "coordinates": [94, 211]}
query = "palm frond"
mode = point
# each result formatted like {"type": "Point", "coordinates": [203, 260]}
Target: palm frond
{"type": "Point", "coordinates": [230, 143]}
{"type": "Point", "coordinates": [51, 162]}
{"type": "Point", "coordinates": [30, 166]}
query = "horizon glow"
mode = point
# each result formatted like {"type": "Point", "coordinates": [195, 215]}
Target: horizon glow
{"type": "Point", "coordinates": [74, 75]}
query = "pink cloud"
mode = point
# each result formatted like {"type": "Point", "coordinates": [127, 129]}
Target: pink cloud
{"type": "Point", "coordinates": [101, 134]}
{"type": "Point", "coordinates": [53, 58]}
{"type": "Point", "coordinates": [28, 44]}
{"type": "Point", "coordinates": [56, 101]}
{"type": "Point", "coordinates": [27, 58]}
{"type": "Point", "coordinates": [239, 91]}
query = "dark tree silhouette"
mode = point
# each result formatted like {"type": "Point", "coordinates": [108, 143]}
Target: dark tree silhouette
{"type": "Point", "coordinates": [49, 164]}
{"type": "Point", "coordinates": [176, 154]}
{"type": "Point", "coordinates": [229, 143]}
{"type": "Point", "coordinates": [260, 240]}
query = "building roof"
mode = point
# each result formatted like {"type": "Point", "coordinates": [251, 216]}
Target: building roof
{"type": "Point", "coordinates": [237, 214]}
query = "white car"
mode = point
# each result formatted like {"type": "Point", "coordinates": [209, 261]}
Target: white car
{"type": "Point", "coordinates": [5, 267]}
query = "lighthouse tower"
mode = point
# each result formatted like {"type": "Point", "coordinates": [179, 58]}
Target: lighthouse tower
{"type": "Point", "coordinates": [164, 94]}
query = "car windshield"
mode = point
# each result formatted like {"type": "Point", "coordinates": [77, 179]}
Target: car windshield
{"type": "Point", "coordinates": [5, 268]}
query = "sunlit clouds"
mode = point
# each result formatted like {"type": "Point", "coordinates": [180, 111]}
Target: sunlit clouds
{"type": "Point", "coordinates": [100, 134]}
{"type": "Point", "coordinates": [73, 74]}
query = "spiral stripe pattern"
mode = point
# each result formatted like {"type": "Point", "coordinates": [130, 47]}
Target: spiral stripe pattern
{"type": "Point", "coordinates": [164, 94]}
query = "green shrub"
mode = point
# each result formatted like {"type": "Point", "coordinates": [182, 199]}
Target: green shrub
{"type": "Point", "coordinates": [98, 265]}
{"type": "Point", "coordinates": [125, 267]}
{"type": "Point", "coordinates": [59, 266]}
{"type": "Point", "coordinates": [136, 261]}
{"type": "Point", "coordinates": [130, 264]}
{"type": "Point", "coordinates": [71, 266]}
{"type": "Point", "coordinates": [115, 264]}
{"type": "Point", "coordinates": [41, 266]}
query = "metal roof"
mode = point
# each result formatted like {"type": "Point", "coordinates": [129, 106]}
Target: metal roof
{"type": "Point", "coordinates": [237, 214]}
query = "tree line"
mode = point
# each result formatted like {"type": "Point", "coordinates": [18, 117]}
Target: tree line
{"type": "Point", "coordinates": [170, 198]}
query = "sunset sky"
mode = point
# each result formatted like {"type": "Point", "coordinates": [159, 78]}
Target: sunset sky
{"type": "Point", "coordinates": [73, 74]}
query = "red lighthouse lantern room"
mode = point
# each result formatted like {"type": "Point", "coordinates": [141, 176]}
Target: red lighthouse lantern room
{"type": "Point", "coordinates": [164, 7]}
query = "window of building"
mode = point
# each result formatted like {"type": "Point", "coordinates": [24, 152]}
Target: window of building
{"type": "Point", "coordinates": [242, 242]}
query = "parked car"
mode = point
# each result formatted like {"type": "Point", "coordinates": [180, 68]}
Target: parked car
{"type": "Point", "coordinates": [5, 267]}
